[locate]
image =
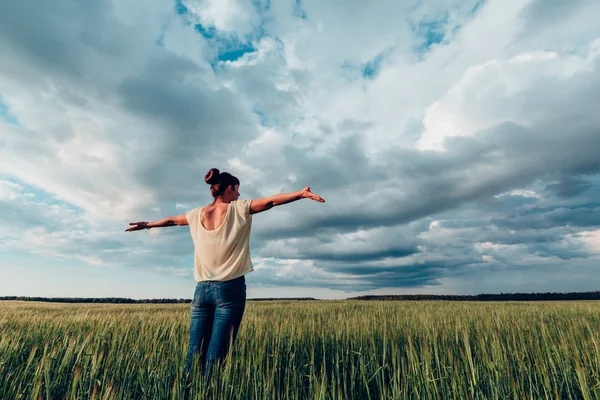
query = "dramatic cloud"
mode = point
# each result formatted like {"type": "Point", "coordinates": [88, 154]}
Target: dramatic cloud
{"type": "Point", "coordinates": [455, 142]}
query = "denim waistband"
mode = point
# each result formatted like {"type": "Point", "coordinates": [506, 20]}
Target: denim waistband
{"type": "Point", "coordinates": [236, 280]}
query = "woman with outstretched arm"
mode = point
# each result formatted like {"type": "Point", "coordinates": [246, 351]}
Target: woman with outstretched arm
{"type": "Point", "coordinates": [221, 235]}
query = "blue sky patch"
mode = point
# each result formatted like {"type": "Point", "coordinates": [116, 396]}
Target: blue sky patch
{"type": "Point", "coordinates": [41, 196]}
{"type": "Point", "coordinates": [262, 115]}
{"type": "Point", "coordinates": [371, 68]}
{"type": "Point", "coordinates": [227, 47]}
{"type": "Point", "coordinates": [430, 33]}
{"type": "Point", "coordinates": [161, 39]}
{"type": "Point", "coordinates": [262, 6]}
{"type": "Point", "coordinates": [180, 7]}
{"type": "Point", "coordinates": [234, 54]}
{"type": "Point", "coordinates": [208, 33]}
{"type": "Point", "coordinates": [299, 10]}
{"type": "Point", "coordinates": [368, 70]}
{"type": "Point", "coordinates": [6, 116]}
{"type": "Point", "coordinates": [434, 31]}
{"type": "Point", "coordinates": [477, 6]}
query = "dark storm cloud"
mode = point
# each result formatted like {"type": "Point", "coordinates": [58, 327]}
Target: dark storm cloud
{"type": "Point", "coordinates": [541, 14]}
{"type": "Point", "coordinates": [539, 231]}
{"type": "Point", "coordinates": [569, 186]}
{"type": "Point", "coordinates": [584, 216]}
{"type": "Point", "coordinates": [505, 157]}
{"type": "Point", "coordinates": [167, 91]}
{"type": "Point", "coordinates": [435, 266]}
{"type": "Point", "coordinates": [555, 250]}
{"type": "Point", "coordinates": [344, 165]}
{"type": "Point", "coordinates": [416, 275]}
{"type": "Point", "coordinates": [464, 179]}
{"type": "Point", "coordinates": [200, 125]}
{"type": "Point", "coordinates": [68, 40]}
{"type": "Point", "coordinates": [40, 31]}
{"type": "Point", "coordinates": [349, 253]}
{"type": "Point", "coordinates": [363, 277]}
{"type": "Point", "coordinates": [360, 256]}
{"type": "Point", "coordinates": [525, 236]}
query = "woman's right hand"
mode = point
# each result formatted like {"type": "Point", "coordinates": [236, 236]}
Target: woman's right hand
{"type": "Point", "coordinates": [137, 226]}
{"type": "Point", "coordinates": [307, 194]}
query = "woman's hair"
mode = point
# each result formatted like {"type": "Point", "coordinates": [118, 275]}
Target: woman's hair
{"type": "Point", "coordinates": [219, 181]}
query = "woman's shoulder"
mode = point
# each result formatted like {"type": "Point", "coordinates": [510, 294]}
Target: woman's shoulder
{"type": "Point", "coordinates": [242, 207]}
{"type": "Point", "coordinates": [242, 203]}
{"type": "Point", "coordinates": [193, 215]}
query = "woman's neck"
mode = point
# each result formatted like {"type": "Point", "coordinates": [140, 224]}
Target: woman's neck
{"type": "Point", "coordinates": [219, 201]}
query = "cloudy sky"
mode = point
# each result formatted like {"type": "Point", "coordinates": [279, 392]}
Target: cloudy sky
{"type": "Point", "coordinates": [456, 143]}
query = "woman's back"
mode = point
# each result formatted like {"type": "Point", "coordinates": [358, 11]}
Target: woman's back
{"type": "Point", "coordinates": [213, 216]}
{"type": "Point", "coordinates": [221, 235]}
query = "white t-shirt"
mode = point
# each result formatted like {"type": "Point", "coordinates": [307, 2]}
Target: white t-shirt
{"type": "Point", "coordinates": [222, 254]}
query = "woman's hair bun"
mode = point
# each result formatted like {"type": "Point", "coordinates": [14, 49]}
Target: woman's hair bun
{"type": "Point", "coordinates": [212, 176]}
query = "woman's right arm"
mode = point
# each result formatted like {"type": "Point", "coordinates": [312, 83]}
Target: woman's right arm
{"type": "Point", "coordinates": [266, 203]}
{"type": "Point", "coordinates": [169, 221]}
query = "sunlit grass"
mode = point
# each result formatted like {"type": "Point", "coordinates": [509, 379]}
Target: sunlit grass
{"type": "Point", "coordinates": [313, 350]}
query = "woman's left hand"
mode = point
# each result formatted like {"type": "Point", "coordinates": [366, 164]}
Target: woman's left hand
{"type": "Point", "coordinates": [307, 194]}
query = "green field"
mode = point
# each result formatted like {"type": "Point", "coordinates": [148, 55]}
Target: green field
{"type": "Point", "coordinates": [312, 350]}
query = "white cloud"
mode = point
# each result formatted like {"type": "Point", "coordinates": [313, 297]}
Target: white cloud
{"type": "Point", "coordinates": [520, 192]}
{"type": "Point", "coordinates": [487, 258]}
{"type": "Point", "coordinates": [590, 239]}
{"type": "Point", "coordinates": [486, 95]}
{"type": "Point", "coordinates": [237, 17]}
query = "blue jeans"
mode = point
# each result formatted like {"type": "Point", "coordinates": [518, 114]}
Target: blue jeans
{"type": "Point", "coordinates": [216, 313]}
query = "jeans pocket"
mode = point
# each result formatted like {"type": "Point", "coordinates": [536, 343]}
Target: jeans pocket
{"type": "Point", "coordinates": [197, 296]}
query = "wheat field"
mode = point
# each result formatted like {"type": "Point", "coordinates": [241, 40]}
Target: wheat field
{"type": "Point", "coordinates": [307, 350]}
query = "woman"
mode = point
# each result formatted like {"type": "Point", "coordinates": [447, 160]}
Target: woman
{"type": "Point", "coordinates": [221, 235]}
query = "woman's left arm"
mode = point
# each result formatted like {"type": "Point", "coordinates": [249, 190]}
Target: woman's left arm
{"type": "Point", "coordinates": [180, 220]}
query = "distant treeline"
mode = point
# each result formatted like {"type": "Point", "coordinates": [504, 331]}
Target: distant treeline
{"type": "Point", "coordinates": [121, 300]}
{"type": "Point", "coordinates": [117, 300]}
{"type": "Point", "coordinates": [479, 297]}
{"type": "Point", "coordinates": [283, 298]}
{"type": "Point", "coordinates": [489, 297]}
